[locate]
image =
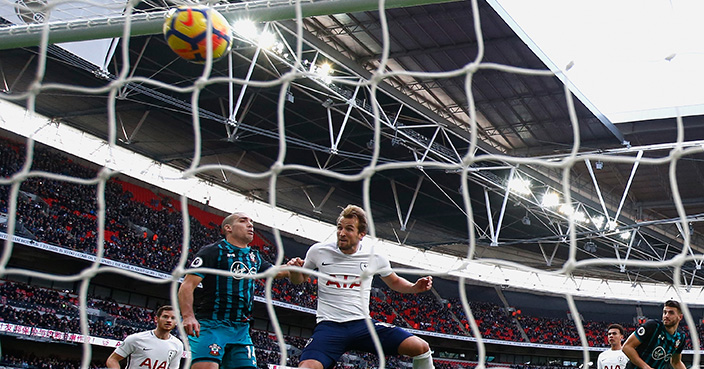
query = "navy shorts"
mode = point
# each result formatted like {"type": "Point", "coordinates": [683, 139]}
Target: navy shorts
{"type": "Point", "coordinates": [227, 344]}
{"type": "Point", "coordinates": [330, 340]}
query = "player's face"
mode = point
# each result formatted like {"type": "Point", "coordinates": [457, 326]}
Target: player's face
{"type": "Point", "coordinates": [241, 230]}
{"type": "Point", "coordinates": [166, 321]}
{"type": "Point", "coordinates": [348, 235]}
{"type": "Point", "coordinates": [614, 336]}
{"type": "Point", "coordinates": [671, 316]}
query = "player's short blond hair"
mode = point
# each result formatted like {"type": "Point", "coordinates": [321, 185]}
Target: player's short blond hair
{"type": "Point", "coordinates": [354, 211]}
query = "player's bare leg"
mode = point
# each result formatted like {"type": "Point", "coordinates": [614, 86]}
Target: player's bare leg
{"type": "Point", "coordinates": [205, 365]}
{"type": "Point", "coordinates": [419, 350]}
{"type": "Point", "coordinates": [311, 364]}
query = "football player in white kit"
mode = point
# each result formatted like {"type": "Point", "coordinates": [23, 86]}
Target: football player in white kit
{"type": "Point", "coordinates": [341, 312]}
{"type": "Point", "coordinates": [156, 348]}
{"type": "Point", "coordinates": [613, 358]}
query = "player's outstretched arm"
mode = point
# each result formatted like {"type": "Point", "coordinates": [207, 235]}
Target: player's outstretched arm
{"type": "Point", "coordinates": [295, 276]}
{"type": "Point", "coordinates": [113, 361]}
{"type": "Point", "coordinates": [629, 348]}
{"type": "Point", "coordinates": [676, 361]}
{"type": "Point", "coordinates": [402, 285]}
{"type": "Point", "coordinates": [185, 303]}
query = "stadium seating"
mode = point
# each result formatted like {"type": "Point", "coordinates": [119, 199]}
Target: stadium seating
{"type": "Point", "coordinates": [144, 228]}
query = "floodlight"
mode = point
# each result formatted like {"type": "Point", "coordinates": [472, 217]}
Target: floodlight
{"type": "Point", "coordinates": [246, 28]}
{"type": "Point", "coordinates": [550, 199]}
{"type": "Point", "coordinates": [266, 40]}
{"type": "Point", "coordinates": [520, 185]}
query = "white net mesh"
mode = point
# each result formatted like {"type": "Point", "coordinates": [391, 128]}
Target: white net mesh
{"type": "Point", "coordinates": [392, 103]}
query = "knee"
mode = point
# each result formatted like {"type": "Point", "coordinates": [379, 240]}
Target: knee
{"type": "Point", "coordinates": [413, 346]}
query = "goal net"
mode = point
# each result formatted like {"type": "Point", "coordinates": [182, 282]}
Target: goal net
{"type": "Point", "coordinates": [441, 143]}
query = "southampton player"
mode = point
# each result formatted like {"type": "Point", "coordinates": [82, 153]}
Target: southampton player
{"type": "Point", "coordinates": [614, 358]}
{"type": "Point", "coordinates": [217, 323]}
{"type": "Point", "coordinates": [657, 344]}
{"type": "Point", "coordinates": [340, 314]}
{"type": "Point", "coordinates": [155, 349]}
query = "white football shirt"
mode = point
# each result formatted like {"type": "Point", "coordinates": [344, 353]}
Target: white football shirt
{"type": "Point", "coordinates": [612, 359]}
{"type": "Point", "coordinates": [340, 301]}
{"type": "Point", "coordinates": [145, 350]}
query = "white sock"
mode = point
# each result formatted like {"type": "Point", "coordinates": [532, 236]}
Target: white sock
{"type": "Point", "coordinates": [423, 361]}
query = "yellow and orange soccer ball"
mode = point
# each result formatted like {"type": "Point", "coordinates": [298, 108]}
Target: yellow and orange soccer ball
{"type": "Point", "coordinates": [185, 30]}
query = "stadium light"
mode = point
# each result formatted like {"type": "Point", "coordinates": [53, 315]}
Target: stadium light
{"type": "Point", "coordinates": [520, 186]}
{"type": "Point", "coordinates": [566, 209]}
{"type": "Point", "coordinates": [579, 216]}
{"type": "Point", "coordinates": [267, 40]}
{"type": "Point", "coordinates": [612, 225]}
{"type": "Point", "coordinates": [246, 28]}
{"type": "Point", "coordinates": [598, 221]}
{"type": "Point", "coordinates": [324, 71]}
{"type": "Point", "coordinates": [551, 199]}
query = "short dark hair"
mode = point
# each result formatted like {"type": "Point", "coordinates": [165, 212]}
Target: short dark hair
{"type": "Point", "coordinates": [162, 309]}
{"type": "Point", "coordinates": [617, 326]}
{"type": "Point", "coordinates": [673, 304]}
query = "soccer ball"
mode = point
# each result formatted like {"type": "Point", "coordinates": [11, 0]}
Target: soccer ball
{"type": "Point", "coordinates": [185, 29]}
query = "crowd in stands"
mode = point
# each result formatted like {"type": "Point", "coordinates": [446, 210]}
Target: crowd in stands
{"type": "Point", "coordinates": [147, 232]}
{"type": "Point", "coordinates": [32, 361]}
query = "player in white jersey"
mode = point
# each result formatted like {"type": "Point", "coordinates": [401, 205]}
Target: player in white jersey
{"type": "Point", "coordinates": [341, 312]}
{"type": "Point", "coordinates": [613, 358]}
{"type": "Point", "coordinates": [155, 349]}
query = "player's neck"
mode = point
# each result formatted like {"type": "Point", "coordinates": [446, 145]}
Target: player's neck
{"type": "Point", "coordinates": [350, 251]}
{"type": "Point", "coordinates": [235, 243]}
{"type": "Point", "coordinates": [160, 334]}
{"type": "Point", "coordinates": [616, 347]}
{"type": "Point", "coordinates": [671, 329]}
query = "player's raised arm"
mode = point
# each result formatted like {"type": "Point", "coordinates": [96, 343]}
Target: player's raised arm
{"type": "Point", "coordinates": [185, 302]}
{"type": "Point", "coordinates": [402, 285]}
{"type": "Point", "coordinates": [296, 276]}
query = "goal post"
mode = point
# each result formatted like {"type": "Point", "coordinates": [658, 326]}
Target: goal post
{"type": "Point", "coordinates": [149, 23]}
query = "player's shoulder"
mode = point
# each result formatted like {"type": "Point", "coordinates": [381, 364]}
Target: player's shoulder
{"type": "Point", "coordinates": [139, 336]}
{"type": "Point", "coordinates": [323, 248]}
{"type": "Point", "coordinates": [175, 340]}
{"type": "Point", "coordinates": [323, 245]}
{"type": "Point", "coordinates": [212, 248]}
{"type": "Point", "coordinates": [649, 327]}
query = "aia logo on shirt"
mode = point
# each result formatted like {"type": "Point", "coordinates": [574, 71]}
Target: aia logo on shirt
{"type": "Point", "coordinates": [156, 364]}
{"type": "Point", "coordinates": [353, 281]}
